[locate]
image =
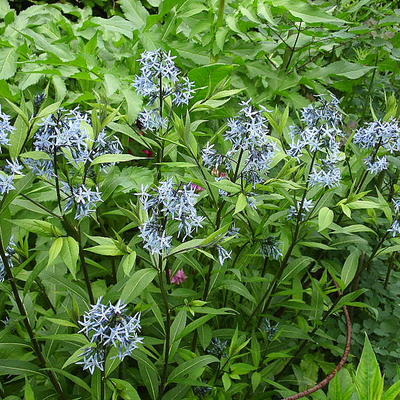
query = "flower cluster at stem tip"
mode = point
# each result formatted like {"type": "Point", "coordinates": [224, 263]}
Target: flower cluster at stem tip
{"type": "Point", "coordinates": [160, 78]}
{"type": "Point", "coordinates": [321, 135]}
{"type": "Point", "coordinates": [252, 146]}
{"type": "Point", "coordinates": [168, 202]}
{"type": "Point", "coordinates": [395, 228]}
{"type": "Point", "coordinates": [378, 135]}
{"type": "Point", "coordinates": [109, 326]}
{"type": "Point", "coordinates": [13, 168]}
{"type": "Point", "coordinates": [9, 253]}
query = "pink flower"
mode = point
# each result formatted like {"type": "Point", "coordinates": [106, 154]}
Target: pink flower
{"type": "Point", "coordinates": [179, 277]}
{"type": "Point", "coordinates": [197, 188]}
{"type": "Point", "coordinates": [148, 153]}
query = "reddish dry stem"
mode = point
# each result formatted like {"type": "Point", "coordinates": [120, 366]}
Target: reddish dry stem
{"type": "Point", "coordinates": [338, 367]}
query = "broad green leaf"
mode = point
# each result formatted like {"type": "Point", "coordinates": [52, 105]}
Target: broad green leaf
{"type": "Point", "coordinates": [368, 376]}
{"type": "Point", "coordinates": [109, 249]}
{"type": "Point", "coordinates": [239, 288]}
{"type": "Point", "coordinates": [55, 249]}
{"type": "Point", "coordinates": [29, 394]}
{"type": "Point", "coordinates": [71, 288]}
{"type": "Point", "coordinates": [73, 378]}
{"type": "Point", "coordinates": [148, 372]}
{"type": "Point", "coordinates": [193, 326]}
{"type": "Point", "coordinates": [137, 283]}
{"type": "Point", "coordinates": [350, 267]}
{"type": "Point", "coordinates": [317, 301]}
{"type": "Point", "coordinates": [17, 139]}
{"type": "Point", "coordinates": [341, 386]}
{"type": "Point", "coordinates": [134, 104]}
{"type": "Point", "coordinates": [340, 68]}
{"type": "Point", "coordinates": [188, 367]}
{"type": "Point", "coordinates": [62, 322]}
{"type": "Point", "coordinates": [125, 390]}
{"type": "Point", "coordinates": [134, 12]}
{"type": "Point", "coordinates": [70, 254]}
{"type": "Point", "coordinates": [227, 186]}
{"type": "Point", "coordinates": [325, 218]}
{"type": "Point", "coordinates": [115, 158]}
{"type": "Point", "coordinates": [393, 392]}
{"type": "Point", "coordinates": [18, 367]}
{"type": "Point", "coordinates": [35, 155]}
{"type": "Point", "coordinates": [115, 24]}
{"type": "Point", "coordinates": [8, 62]}
{"type": "Point", "coordinates": [111, 83]}
{"type": "Point", "coordinates": [50, 109]}
{"type": "Point", "coordinates": [66, 337]}
{"type": "Point", "coordinates": [128, 262]}
{"type": "Point", "coordinates": [177, 326]}
{"type": "Point", "coordinates": [41, 228]}
{"type": "Point", "coordinates": [189, 245]}
{"type": "Point", "coordinates": [241, 203]}
{"type": "Point", "coordinates": [306, 12]}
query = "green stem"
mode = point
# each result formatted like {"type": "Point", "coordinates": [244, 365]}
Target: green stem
{"type": "Point", "coordinates": [389, 270]}
{"type": "Point", "coordinates": [221, 10]}
{"type": "Point", "coordinates": [293, 49]}
{"type": "Point", "coordinates": [35, 344]}
{"type": "Point", "coordinates": [40, 206]}
{"type": "Point", "coordinates": [84, 267]}
{"type": "Point", "coordinates": [266, 299]}
{"type": "Point", "coordinates": [103, 385]}
{"type": "Point", "coordinates": [167, 326]}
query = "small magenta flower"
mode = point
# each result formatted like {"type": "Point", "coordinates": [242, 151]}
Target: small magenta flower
{"type": "Point", "coordinates": [178, 278]}
{"type": "Point", "coordinates": [197, 188]}
{"type": "Point", "coordinates": [148, 153]}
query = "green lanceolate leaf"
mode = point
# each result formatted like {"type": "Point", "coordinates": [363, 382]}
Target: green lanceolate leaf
{"type": "Point", "coordinates": [368, 380]}
{"type": "Point", "coordinates": [189, 368]}
{"type": "Point", "coordinates": [17, 367]}
{"type": "Point", "coordinates": [137, 283]}
{"type": "Point", "coordinates": [350, 267]}
{"type": "Point", "coordinates": [325, 218]}
{"type": "Point", "coordinates": [70, 254]}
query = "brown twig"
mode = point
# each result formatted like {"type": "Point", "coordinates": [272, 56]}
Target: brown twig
{"type": "Point", "coordinates": [338, 367]}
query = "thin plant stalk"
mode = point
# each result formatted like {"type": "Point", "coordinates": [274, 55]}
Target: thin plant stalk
{"type": "Point", "coordinates": [35, 344]}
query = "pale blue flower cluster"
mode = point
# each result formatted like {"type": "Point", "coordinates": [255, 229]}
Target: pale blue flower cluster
{"type": "Point", "coordinates": [270, 248]}
{"type": "Point", "coordinates": [327, 113]}
{"type": "Point", "coordinates": [7, 176]}
{"type": "Point", "coordinates": [42, 168]}
{"type": "Point", "coordinates": [252, 145]}
{"type": "Point", "coordinates": [395, 228]}
{"type": "Point", "coordinates": [83, 198]}
{"type": "Point", "coordinates": [67, 133]}
{"type": "Point", "coordinates": [9, 252]}
{"type": "Point", "coordinates": [223, 254]}
{"type": "Point", "coordinates": [62, 130]}
{"type": "Point", "coordinates": [5, 129]}
{"type": "Point", "coordinates": [378, 135]}
{"type": "Point", "coordinates": [13, 168]}
{"type": "Point", "coordinates": [375, 165]}
{"type": "Point", "coordinates": [168, 202]}
{"type": "Point", "coordinates": [321, 134]}
{"type": "Point", "coordinates": [6, 183]}
{"type": "Point", "coordinates": [299, 211]}
{"type": "Point", "coordinates": [109, 326]}
{"type": "Point", "coordinates": [160, 78]}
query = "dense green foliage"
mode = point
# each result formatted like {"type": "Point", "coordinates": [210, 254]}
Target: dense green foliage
{"type": "Point", "coordinates": [255, 325]}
